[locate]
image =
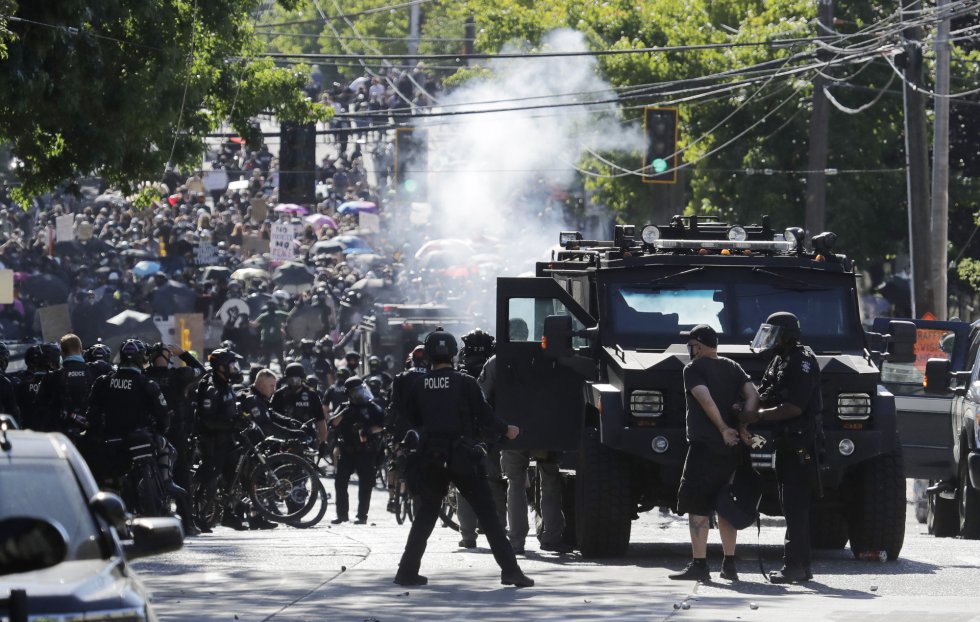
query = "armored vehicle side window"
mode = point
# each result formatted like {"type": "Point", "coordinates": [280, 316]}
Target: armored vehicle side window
{"type": "Point", "coordinates": [530, 313]}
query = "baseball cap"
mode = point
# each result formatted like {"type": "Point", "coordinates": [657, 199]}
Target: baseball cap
{"type": "Point", "coordinates": [702, 333]}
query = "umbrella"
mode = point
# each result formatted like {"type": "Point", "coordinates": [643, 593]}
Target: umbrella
{"type": "Point", "coordinates": [45, 288]}
{"type": "Point", "coordinates": [146, 268]}
{"type": "Point", "coordinates": [358, 250]}
{"type": "Point", "coordinates": [255, 261]}
{"type": "Point", "coordinates": [365, 260]}
{"type": "Point", "coordinates": [245, 274]}
{"type": "Point", "coordinates": [129, 325]}
{"type": "Point", "coordinates": [173, 298]}
{"type": "Point", "coordinates": [327, 246]}
{"type": "Point", "coordinates": [110, 199]}
{"type": "Point", "coordinates": [256, 303]}
{"type": "Point", "coordinates": [350, 241]}
{"type": "Point", "coordinates": [291, 208]}
{"type": "Point", "coordinates": [454, 245]}
{"type": "Point", "coordinates": [292, 274]}
{"type": "Point", "coordinates": [319, 220]}
{"type": "Point", "coordinates": [215, 273]}
{"type": "Point", "coordinates": [138, 253]}
{"type": "Point", "coordinates": [368, 286]}
{"type": "Point", "coordinates": [353, 207]}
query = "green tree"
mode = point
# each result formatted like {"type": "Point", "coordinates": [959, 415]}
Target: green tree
{"type": "Point", "coordinates": [121, 89]}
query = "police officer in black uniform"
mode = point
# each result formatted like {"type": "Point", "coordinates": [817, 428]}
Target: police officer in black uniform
{"type": "Point", "coordinates": [448, 408]}
{"type": "Point", "coordinates": [298, 401]}
{"type": "Point", "coordinates": [358, 425]}
{"type": "Point", "coordinates": [8, 396]}
{"type": "Point", "coordinates": [64, 392]}
{"type": "Point", "coordinates": [98, 356]}
{"type": "Point", "coordinates": [217, 416]}
{"type": "Point", "coordinates": [256, 404]}
{"type": "Point", "coordinates": [395, 421]}
{"type": "Point", "coordinates": [323, 364]}
{"type": "Point", "coordinates": [175, 383]}
{"type": "Point", "coordinates": [41, 360]}
{"type": "Point", "coordinates": [790, 400]}
{"type": "Point", "coordinates": [128, 405]}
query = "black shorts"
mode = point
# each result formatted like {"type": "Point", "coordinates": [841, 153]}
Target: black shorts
{"type": "Point", "coordinates": [705, 472]}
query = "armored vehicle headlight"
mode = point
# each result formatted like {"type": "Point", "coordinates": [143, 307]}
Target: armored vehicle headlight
{"type": "Point", "coordinates": [647, 403]}
{"type": "Point", "coordinates": [737, 234]}
{"type": "Point", "coordinates": [650, 234]}
{"type": "Point", "coordinates": [853, 406]}
{"type": "Point", "coordinates": [845, 447]}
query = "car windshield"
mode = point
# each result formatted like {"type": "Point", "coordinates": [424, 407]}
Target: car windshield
{"type": "Point", "coordinates": [652, 314]}
{"type": "Point", "coordinates": [47, 489]}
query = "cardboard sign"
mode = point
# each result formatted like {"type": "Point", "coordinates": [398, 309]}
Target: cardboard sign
{"type": "Point", "coordinates": [65, 228]}
{"type": "Point", "coordinates": [189, 332]}
{"type": "Point", "coordinates": [260, 210]}
{"type": "Point", "coordinates": [369, 223]}
{"type": "Point", "coordinates": [254, 244]}
{"type": "Point", "coordinates": [241, 184]}
{"type": "Point", "coordinates": [281, 242]}
{"type": "Point", "coordinates": [215, 180]}
{"type": "Point", "coordinates": [55, 322]}
{"type": "Point", "coordinates": [232, 311]}
{"type": "Point", "coordinates": [84, 231]}
{"type": "Point", "coordinates": [206, 254]}
{"type": "Point", "coordinates": [6, 287]}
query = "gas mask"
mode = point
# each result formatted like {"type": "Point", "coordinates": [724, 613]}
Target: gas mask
{"type": "Point", "coordinates": [294, 382]}
{"type": "Point", "coordinates": [235, 375]}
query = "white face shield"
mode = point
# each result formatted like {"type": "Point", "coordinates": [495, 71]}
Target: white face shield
{"type": "Point", "coordinates": [361, 394]}
{"type": "Point", "coordinates": [766, 338]}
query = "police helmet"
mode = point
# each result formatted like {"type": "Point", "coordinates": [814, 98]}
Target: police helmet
{"type": "Point", "coordinates": [478, 344]}
{"type": "Point", "coordinates": [52, 355]}
{"type": "Point", "coordinates": [227, 344]}
{"type": "Point", "coordinates": [417, 357]}
{"type": "Point", "coordinates": [374, 364]}
{"type": "Point", "coordinates": [271, 305]}
{"type": "Point", "coordinates": [34, 359]}
{"type": "Point", "coordinates": [325, 344]}
{"type": "Point", "coordinates": [313, 381]}
{"type": "Point", "coordinates": [98, 352]}
{"type": "Point", "coordinates": [343, 374]}
{"type": "Point", "coordinates": [357, 391]}
{"type": "Point", "coordinates": [133, 351]}
{"type": "Point", "coordinates": [306, 346]}
{"type": "Point", "coordinates": [440, 346]}
{"type": "Point", "coordinates": [156, 351]}
{"type": "Point", "coordinates": [222, 357]}
{"type": "Point", "coordinates": [295, 370]}
{"type": "Point", "coordinates": [4, 356]}
{"type": "Point", "coordinates": [779, 326]}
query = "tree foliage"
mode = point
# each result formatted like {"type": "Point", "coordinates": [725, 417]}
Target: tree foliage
{"type": "Point", "coordinates": [121, 89]}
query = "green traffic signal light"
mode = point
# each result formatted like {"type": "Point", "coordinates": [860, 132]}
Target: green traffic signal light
{"type": "Point", "coordinates": [659, 165]}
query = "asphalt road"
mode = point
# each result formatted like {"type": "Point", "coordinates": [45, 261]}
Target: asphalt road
{"type": "Point", "coordinates": [344, 573]}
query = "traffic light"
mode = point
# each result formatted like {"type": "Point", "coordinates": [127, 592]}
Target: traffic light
{"type": "Point", "coordinates": [411, 162]}
{"type": "Point", "coordinates": [297, 162]}
{"type": "Point", "coordinates": [660, 163]}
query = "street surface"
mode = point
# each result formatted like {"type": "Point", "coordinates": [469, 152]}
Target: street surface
{"type": "Point", "coordinates": [344, 573]}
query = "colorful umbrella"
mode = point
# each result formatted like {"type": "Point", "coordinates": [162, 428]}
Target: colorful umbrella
{"type": "Point", "coordinates": [146, 268]}
{"type": "Point", "coordinates": [291, 208]}
{"type": "Point", "coordinates": [353, 207]}
{"type": "Point", "coordinates": [319, 220]}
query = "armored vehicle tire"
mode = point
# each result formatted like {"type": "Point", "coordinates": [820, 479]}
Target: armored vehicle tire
{"type": "Point", "coordinates": [969, 506]}
{"type": "Point", "coordinates": [828, 529]}
{"type": "Point", "coordinates": [876, 521]}
{"type": "Point", "coordinates": [603, 502]}
{"type": "Point", "coordinates": [943, 518]}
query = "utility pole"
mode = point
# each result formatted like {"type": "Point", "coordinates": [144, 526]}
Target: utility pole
{"type": "Point", "coordinates": [816, 179]}
{"type": "Point", "coordinates": [917, 164]}
{"type": "Point", "coordinates": [469, 36]}
{"type": "Point", "coordinates": [414, 26]}
{"type": "Point", "coordinates": [940, 166]}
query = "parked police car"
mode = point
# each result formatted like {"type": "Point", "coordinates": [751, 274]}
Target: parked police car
{"type": "Point", "coordinates": [600, 374]}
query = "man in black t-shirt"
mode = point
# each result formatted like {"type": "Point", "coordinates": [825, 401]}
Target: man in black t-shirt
{"type": "Point", "coordinates": [712, 385]}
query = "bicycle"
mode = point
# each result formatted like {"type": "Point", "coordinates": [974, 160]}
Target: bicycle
{"type": "Point", "coordinates": [280, 486]}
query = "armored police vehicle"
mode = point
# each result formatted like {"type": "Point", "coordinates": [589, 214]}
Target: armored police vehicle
{"type": "Point", "coordinates": [393, 330]}
{"type": "Point", "coordinates": [598, 371]}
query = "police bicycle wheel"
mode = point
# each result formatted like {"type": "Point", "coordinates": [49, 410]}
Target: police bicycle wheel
{"type": "Point", "coordinates": [282, 487]}
{"type": "Point", "coordinates": [316, 513]}
{"type": "Point", "coordinates": [447, 512]}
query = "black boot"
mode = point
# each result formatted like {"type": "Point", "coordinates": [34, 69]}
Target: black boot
{"type": "Point", "coordinates": [728, 569]}
{"type": "Point", "coordinates": [516, 578]}
{"type": "Point", "coordinates": [406, 579]}
{"type": "Point", "coordinates": [259, 522]}
{"type": "Point", "coordinates": [789, 574]}
{"type": "Point", "coordinates": [697, 570]}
